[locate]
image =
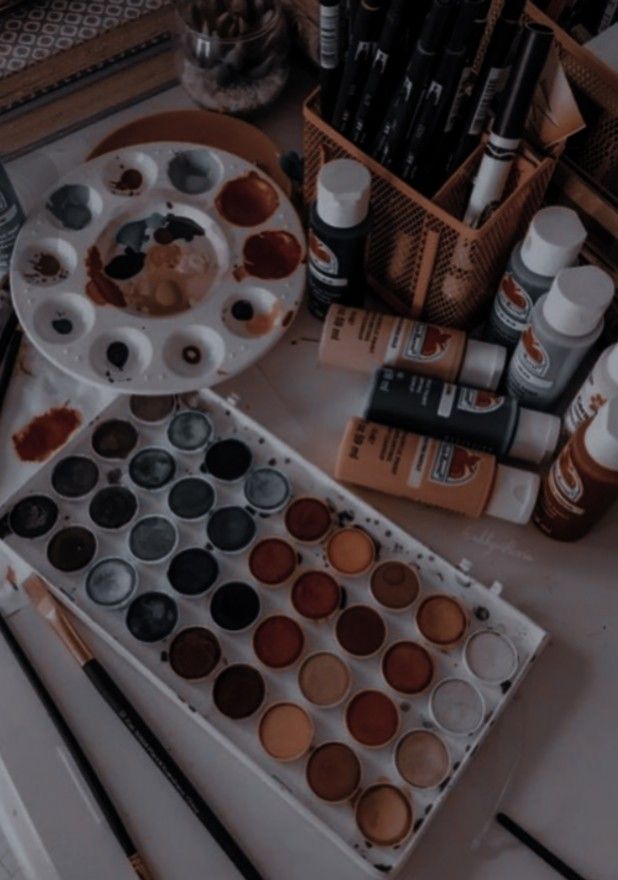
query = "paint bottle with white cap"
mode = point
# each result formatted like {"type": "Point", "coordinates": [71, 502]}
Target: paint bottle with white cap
{"type": "Point", "coordinates": [600, 386]}
{"type": "Point", "coordinates": [338, 229]}
{"type": "Point", "coordinates": [553, 242]}
{"type": "Point", "coordinates": [582, 483]}
{"type": "Point", "coordinates": [357, 339]}
{"type": "Point", "coordinates": [478, 418]}
{"type": "Point", "coordinates": [434, 472]}
{"type": "Point", "coordinates": [565, 323]}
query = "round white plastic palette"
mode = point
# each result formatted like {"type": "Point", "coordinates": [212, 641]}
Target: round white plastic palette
{"type": "Point", "coordinates": [159, 268]}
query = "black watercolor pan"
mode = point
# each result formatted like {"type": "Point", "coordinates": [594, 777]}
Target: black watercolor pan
{"type": "Point", "coordinates": [75, 476]}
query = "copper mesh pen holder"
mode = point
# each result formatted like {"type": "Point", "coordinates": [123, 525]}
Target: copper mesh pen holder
{"type": "Point", "coordinates": [421, 258]}
{"type": "Point", "coordinates": [594, 150]}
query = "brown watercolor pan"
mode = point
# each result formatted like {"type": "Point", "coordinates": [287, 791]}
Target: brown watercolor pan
{"type": "Point", "coordinates": [160, 268]}
{"type": "Point", "coordinates": [351, 668]}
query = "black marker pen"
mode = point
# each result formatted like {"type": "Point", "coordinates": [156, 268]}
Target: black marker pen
{"type": "Point", "coordinates": [508, 126]}
{"type": "Point", "coordinates": [491, 80]}
{"type": "Point", "coordinates": [439, 95]}
{"type": "Point", "coordinates": [358, 61]}
{"type": "Point", "coordinates": [331, 40]}
{"type": "Point", "coordinates": [381, 67]}
{"type": "Point", "coordinates": [389, 141]}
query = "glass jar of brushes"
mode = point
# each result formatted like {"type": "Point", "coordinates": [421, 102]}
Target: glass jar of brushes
{"type": "Point", "coordinates": [232, 56]}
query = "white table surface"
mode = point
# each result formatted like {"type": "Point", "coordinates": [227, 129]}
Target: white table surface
{"type": "Point", "coordinates": [550, 762]}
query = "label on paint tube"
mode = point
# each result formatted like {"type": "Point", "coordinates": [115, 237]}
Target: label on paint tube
{"type": "Point", "coordinates": [473, 417]}
{"type": "Point", "coordinates": [411, 466]}
{"type": "Point", "coordinates": [493, 84]}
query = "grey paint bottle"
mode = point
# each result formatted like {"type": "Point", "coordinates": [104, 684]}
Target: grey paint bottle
{"type": "Point", "coordinates": [565, 323]}
{"type": "Point", "coordinates": [553, 242]}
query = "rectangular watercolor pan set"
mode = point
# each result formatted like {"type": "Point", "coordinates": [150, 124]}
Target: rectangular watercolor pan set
{"type": "Point", "coordinates": [348, 666]}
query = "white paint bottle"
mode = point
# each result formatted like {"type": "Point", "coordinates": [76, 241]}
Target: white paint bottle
{"type": "Point", "coordinates": [600, 386]}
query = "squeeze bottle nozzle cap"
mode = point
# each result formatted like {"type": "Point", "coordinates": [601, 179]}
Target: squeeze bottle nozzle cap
{"type": "Point", "coordinates": [536, 436]}
{"type": "Point", "coordinates": [577, 300]}
{"type": "Point", "coordinates": [514, 494]}
{"type": "Point", "coordinates": [553, 241]}
{"type": "Point", "coordinates": [344, 190]}
{"type": "Point", "coordinates": [483, 364]}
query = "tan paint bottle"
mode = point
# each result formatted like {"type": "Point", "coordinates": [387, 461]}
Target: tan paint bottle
{"type": "Point", "coordinates": [582, 483]}
{"type": "Point", "coordinates": [355, 339]}
{"type": "Point", "coordinates": [435, 472]}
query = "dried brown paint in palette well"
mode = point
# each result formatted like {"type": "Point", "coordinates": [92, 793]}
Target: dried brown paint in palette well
{"type": "Point", "coordinates": [254, 589]}
{"type": "Point", "coordinates": [190, 234]}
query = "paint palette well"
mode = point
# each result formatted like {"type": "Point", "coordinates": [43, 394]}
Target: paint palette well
{"type": "Point", "coordinates": [159, 268]}
{"type": "Point", "coordinates": [350, 667]}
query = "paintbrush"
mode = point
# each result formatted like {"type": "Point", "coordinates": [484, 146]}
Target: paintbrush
{"type": "Point", "coordinates": [85, 767]}
{"type": "Point", "coordinates": [8, 356]}
{"type": "Point", "coordinates": [537, 847]}
{"type": "Point", "coordinates": [55, 615]}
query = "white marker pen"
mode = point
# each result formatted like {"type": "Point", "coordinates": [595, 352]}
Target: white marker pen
{"type": "Point", "coordinates": [508, 126]}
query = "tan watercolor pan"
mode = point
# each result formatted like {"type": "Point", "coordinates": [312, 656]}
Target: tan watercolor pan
{"type": "Point", "coordinates": [485, 610]}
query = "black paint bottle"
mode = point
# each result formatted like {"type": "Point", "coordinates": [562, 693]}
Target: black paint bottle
{"type": "Point", "coordinates": [339, 225]}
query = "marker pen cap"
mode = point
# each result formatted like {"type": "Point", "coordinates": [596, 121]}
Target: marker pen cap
{"type": "Point", "coordinates": [344, 189]}
{"type": "Point", "coordinates": [601, 436]}
{"type": "Point", "coordinates": [483, 364]}
{"type": "Point", "coordinates": [536, 436]}
{"type": "Point", "coordinates": [577, 300]}
{"type": "Point", "coordinates": [553, 241]}
{"type": "Point", "coordinates": [514, 494]}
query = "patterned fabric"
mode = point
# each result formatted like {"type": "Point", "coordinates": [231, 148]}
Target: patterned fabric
{"type": "Point", "coordinates": [39, 30]}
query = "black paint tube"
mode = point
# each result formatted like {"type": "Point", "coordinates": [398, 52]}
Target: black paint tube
{"type": "Point", "coordinates": [380, 73]}
{"type": "Point", "coordinates": [492, 77]}
{"type": "Point", "coordinates": [358, 61]}
{"type": "Point", "coordinates": [476, 418]}
{"type": "Point", "coordinates": [389, 141]}
{"type": "Point", "coordinates": [432, 114]}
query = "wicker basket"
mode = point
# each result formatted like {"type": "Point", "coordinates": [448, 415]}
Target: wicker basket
{"type": "Point", "coordinates": [422, 260]}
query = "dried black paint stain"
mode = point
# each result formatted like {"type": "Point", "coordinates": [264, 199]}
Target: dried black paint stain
{"type": "Point", "coordinates": [191, 354]}
{"type": "Point", "coordinates": [481, 613]}
{"type": "Point", "coordinates": [242, 310]}
{"type": "Point", "coordinates": [62, 326]}
{"type": "Point", "coordinates": [117, 354]}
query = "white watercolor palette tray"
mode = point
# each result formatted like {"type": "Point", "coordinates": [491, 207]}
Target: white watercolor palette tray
{"type": "Point", "coordinates": [406, 720]}
{"type": "Point", "coordinates": [159, 268]}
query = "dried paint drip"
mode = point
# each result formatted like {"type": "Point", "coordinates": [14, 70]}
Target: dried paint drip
{"type": "Point", "coordinates": [117, 354]}
{"type": "Point", "coordinates": [129, 182]}
{"type": "Point", "coordinates": [62, 326]}
{"type": "Point", "coordinates": [70, 205]}
{"type": "Point", "coordinates": [192, 172]}
{"type": "Point", "coordinates": [46, 433]}
{"type": "Point", "coordinates": [272, 255]}
{"type": "Point", "coordinates": [191, 354]}
{"type": "Point", "coordinates": [247, 201]}
{"type": "Point", "coordinates": [257, 323]}
{"type": "Point", "coordinates": [242, 310]}
{"type": "Point", "coordinates": [45, 268]}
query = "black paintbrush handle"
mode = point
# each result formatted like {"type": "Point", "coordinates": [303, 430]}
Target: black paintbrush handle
{"type": "Point", "coordinates": [85, 767]}
{"type": "Point", "coordinates": [537, 847]}
{"type": "Point", "coordinates": [10, 326]}
{"type": "Point", "coordinates": [8, 365]}
{"type": "Point", "coordinates": [153, 747]}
